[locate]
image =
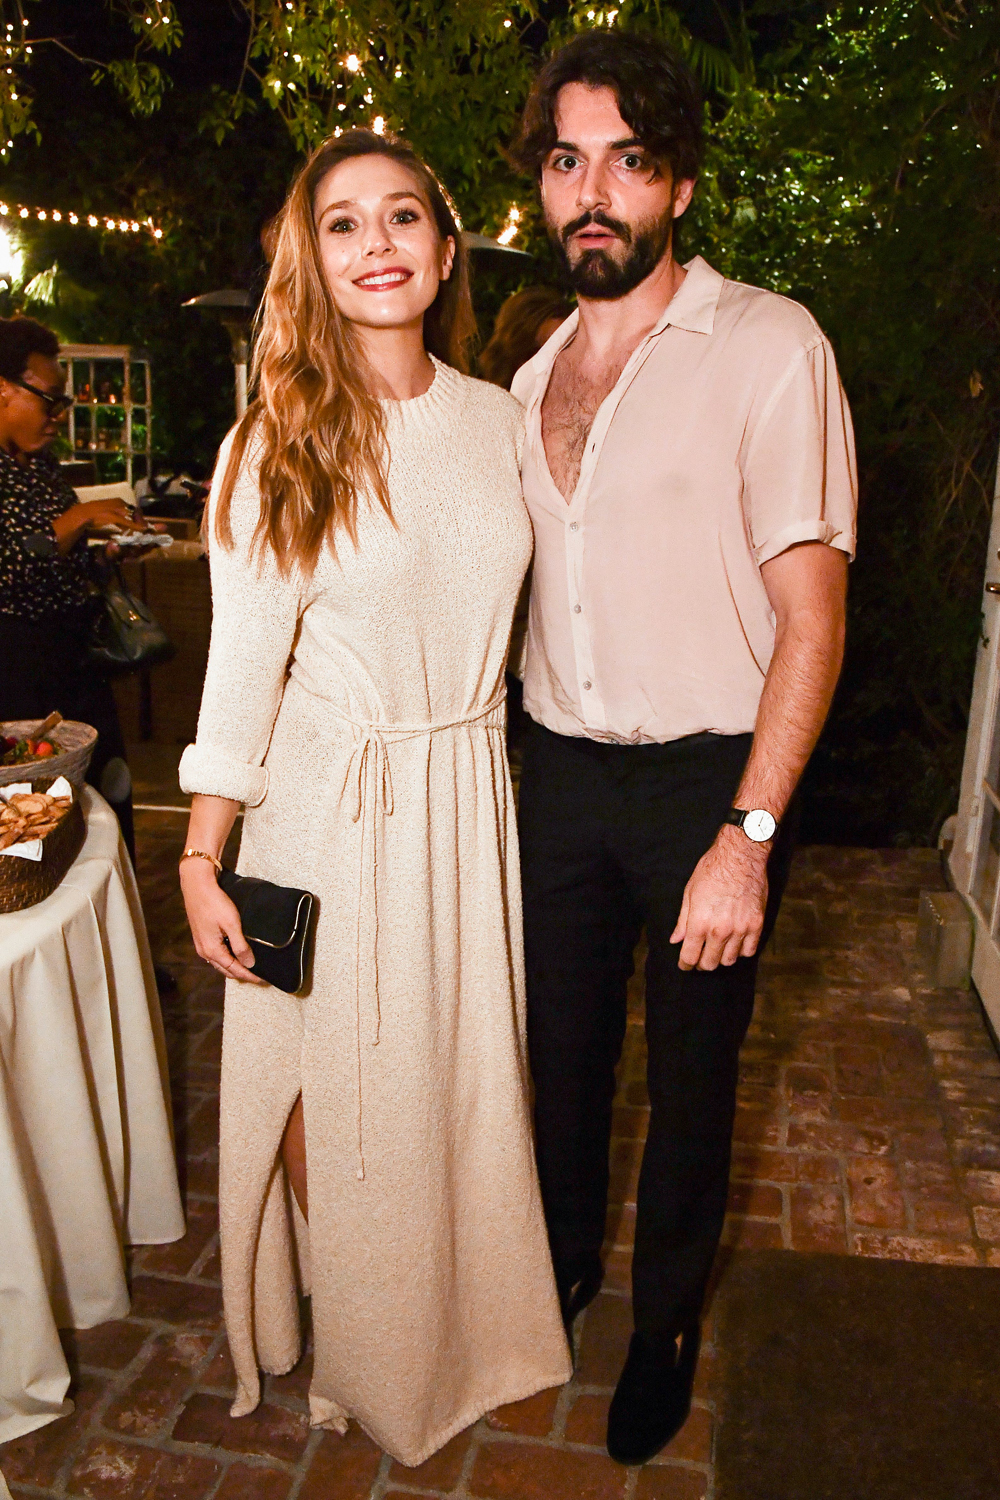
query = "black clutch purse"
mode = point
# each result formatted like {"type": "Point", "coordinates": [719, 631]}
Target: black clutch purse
{"type": "Point", "coordinates": [277, 923]}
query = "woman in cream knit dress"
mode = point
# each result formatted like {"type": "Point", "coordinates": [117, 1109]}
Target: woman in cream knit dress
{"type": "Point", "coordinates": [355, 707]}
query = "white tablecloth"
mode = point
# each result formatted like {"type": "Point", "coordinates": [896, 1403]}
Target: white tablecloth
{"type": "Point", "coordinates": [86, 1153]}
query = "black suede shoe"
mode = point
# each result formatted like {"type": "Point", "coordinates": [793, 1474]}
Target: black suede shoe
{"type": "Point", "coordinates": [580, 1293]}
{"type": "Point", "coordinates": [653, 1398]}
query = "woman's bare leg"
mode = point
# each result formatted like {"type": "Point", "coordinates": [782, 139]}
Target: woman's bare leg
{"type": "Point", "coordinates": [293, 1154]}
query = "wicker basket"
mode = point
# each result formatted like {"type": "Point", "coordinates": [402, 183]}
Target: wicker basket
{"type": "Point", "coordinates": [25, 882]}
{"type": "Point", "coordinates": [75, 745]}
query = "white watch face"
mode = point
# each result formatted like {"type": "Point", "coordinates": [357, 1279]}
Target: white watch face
{"type": "Point", "coordinates": [759, 825]}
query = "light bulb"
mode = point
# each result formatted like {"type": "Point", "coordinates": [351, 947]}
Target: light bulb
{"type": "Point", "coordinates": [11, 260]}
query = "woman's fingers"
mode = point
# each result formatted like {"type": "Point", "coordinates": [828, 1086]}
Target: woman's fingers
{"type": "Point", "coordinates": [242, 959]}
{"type": "Point", "coordinates": [217, 931]}
{"type": "Point", "coordinates": [238, 944]}
{"type": "Point", "coordinates": [237, 971]}
{"type": "Point", "coordinates": [219, 954]}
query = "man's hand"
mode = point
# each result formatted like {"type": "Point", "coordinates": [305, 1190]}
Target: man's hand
{"type": "Point", "coordinates": [722, 913]}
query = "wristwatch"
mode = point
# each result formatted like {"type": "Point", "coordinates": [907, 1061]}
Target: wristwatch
{"type": "Point", "coordinates": [756, 822]}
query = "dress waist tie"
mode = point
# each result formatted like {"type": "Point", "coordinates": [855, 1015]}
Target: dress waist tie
{"type": "Point", "coordinates": [368, 782]}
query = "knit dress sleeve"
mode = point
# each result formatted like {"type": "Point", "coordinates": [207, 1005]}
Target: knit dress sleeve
{"type": "Point", "coordinates": [255, 615]}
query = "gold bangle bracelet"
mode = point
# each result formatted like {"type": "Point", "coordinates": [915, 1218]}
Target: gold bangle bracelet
{"type": "Point", "coordinates": [201, 854]}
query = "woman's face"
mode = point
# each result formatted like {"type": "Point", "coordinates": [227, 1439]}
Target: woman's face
{"type": "Point", "coordinates": [26, 420]}
{"type": "Point", "coordinates": [381, 252]}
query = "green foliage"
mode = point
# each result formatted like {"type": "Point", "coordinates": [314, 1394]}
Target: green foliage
{"type": "Point", "coordinates": [57, 300]}
{"type": "Point", "coordinates": [716, 69]}
{"type": "Point", "coordinates": [452, 77]}
{"type": "Point", "coordinates": [141, 84]}
{"type": "Point", "coordinates": [154, 24]}
{"type": "Point", "coordinates": [861, 175]}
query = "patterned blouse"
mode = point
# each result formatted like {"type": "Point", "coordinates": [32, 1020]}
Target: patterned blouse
{"type": "Point", "coordinates": [37, 581]}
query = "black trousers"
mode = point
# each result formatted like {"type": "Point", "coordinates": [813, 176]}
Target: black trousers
{"type": "Point", "coordinates": [610, 835]}
{"type": "Point", "coordinates": [43, 667]}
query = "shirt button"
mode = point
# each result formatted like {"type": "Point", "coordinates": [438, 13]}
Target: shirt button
{"type": "Point", "coordinates": [586, 687]}
{"type": "Point", "coordinates": [577, 608]}
{"type": "Point", "coordinates": [573, 526]}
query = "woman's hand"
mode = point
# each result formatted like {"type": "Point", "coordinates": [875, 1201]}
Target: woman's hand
{"type": "Point", "coordinates": [213, 918]}
{"type": "Point", "coordinates": [92, 515]}
{"type": "Point", "coordinates": [70, 526]}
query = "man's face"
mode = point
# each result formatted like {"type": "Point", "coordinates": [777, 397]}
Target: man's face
{"type": "Point", "coordinates": [609, 209]}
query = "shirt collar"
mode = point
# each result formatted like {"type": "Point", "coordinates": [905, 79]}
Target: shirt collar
{"type": "Point", "coordinates": [692, 308]}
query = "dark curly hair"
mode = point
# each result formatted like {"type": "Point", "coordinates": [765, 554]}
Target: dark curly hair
{"type": "Point", "coordinates": [657, 96]}
{"type": "Point", "coordinates": [20, 338]}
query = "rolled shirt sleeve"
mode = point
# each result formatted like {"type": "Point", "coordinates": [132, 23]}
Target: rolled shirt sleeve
{"type": "Point", "coordinates": [255, 615]}
{"type": "Point", "coordinates": [800, 480]}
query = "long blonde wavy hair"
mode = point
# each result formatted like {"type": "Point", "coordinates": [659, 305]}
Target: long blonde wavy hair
{"type": "Point", "coordinates": [314, 421]}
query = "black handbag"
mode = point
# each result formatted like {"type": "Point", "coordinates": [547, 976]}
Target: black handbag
{"type": "Point", "coordinates": [277, 923]}
{"type": "Point", "coordinates": [126, 635]}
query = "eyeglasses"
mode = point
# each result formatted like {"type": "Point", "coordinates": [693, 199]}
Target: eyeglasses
{"type": "Point", "coordinates": [56, 404]}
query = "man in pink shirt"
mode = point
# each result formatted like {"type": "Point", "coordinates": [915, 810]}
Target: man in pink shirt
{"type": "Point", "coordinates": [689, 471]}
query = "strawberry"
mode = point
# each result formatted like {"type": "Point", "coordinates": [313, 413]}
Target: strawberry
{"type": "Point", "coordinates": [43, 748]}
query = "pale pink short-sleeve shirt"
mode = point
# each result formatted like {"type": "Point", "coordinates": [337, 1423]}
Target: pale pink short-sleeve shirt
{"type": "Point", "coordinates": [726, 440]}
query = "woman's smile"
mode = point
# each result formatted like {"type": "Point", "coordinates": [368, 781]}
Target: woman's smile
{"type": "Point", "coordinates": [384, 280]}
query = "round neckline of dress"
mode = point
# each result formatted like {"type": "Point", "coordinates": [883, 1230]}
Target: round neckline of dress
{"type": "Point", "coordinates": [430, 397]}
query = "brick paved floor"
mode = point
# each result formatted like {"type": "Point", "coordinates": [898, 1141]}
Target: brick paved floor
{"type": "Point", "coordinates": [869, 1123]}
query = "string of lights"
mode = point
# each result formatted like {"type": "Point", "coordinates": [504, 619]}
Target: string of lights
{"type": "Point", "coordinates": [17, 211]}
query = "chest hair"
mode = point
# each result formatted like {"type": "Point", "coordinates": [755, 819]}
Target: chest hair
{"type": "Point", "coordinates": [568, 411]}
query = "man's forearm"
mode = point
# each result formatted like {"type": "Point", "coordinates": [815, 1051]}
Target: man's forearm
{"type": "Point", "coordinates": [798, 691]}
{"type": "Point", "coordinates": [722, 913]}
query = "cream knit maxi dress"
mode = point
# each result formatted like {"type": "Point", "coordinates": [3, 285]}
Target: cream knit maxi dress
{"type": "Point", "coordinates": [359, 716]}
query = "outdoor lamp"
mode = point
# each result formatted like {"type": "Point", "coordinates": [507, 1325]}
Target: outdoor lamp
{"type": "Point", "coordinates": [235, 309]}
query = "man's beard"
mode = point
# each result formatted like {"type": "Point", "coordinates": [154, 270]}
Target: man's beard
{"type": "Point", "coordinates": [596, 274]}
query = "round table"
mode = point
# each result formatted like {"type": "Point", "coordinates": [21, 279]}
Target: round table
{"type": "Point", "coordinates": [86, 1147]}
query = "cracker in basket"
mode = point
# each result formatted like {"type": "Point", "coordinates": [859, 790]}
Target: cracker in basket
{"type": "Point", "coordinates": [30, 802]}
{"type": "Point", "coordinates": [31, 815]}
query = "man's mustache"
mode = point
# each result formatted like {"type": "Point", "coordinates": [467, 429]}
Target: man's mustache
{"type": "Point", "coordinates": [616, 226]}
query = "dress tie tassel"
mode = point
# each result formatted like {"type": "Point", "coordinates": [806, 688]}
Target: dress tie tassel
{"type": "Point", "coordinates": [367, 789]}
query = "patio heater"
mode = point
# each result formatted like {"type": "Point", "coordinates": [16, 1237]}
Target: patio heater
{"type": "Point", "coordinates": [236, 308]}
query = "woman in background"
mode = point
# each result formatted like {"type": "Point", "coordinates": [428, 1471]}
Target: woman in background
{"type": "Point", "coordinates": [367, 543]}
{"type": "Point", "coordinates": [49, 578]}
{"type": "Point", "coordinates": [525, 322]}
